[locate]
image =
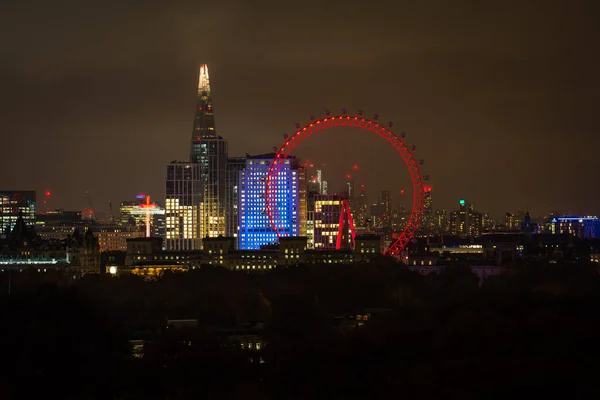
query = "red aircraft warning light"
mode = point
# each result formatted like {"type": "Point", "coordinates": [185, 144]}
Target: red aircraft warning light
{"type": "Point", "coordinates": [355, 167]}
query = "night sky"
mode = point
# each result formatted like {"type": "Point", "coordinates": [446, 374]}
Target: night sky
{"type": "Point", "coordinates": [500, 98]}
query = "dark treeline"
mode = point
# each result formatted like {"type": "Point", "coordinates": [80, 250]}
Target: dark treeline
{"type": "Point", "coordinates": [531, 332]}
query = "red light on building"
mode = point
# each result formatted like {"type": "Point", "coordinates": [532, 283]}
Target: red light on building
{"type": "Point", "coordinates": [48, 193]}
{"type": "Point", "coordinates": [427, 188]}
{"type": "Point", "coordinates": [348, 176]}
{"type": "Point", "coordinates": [401, 191]}
{"type": "Point", "coordinates": [355, 167]}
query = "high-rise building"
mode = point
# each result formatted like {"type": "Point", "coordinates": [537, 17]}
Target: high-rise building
{"type": "Point", "coordinates": [234, 166]}
{"type": "Point", "coordinates": [441, 222]}
{"type": "Point", "coordinates": [302, 201]}
{"type": "Point", "coordinates": [333, 225]}
{"type": "Point", "coordinates": [459, 220]}
{"type": "Point", "coordinates": [386, 201]}
{"type": "Point", "coordinates": [210, 151]}
{"type": "Point", "coordinates": [466, 221]}
{"type": "Point", "coordinates": [184, 188]}
{"type": "Point", "coordinates": [255, 228]}
{"type": "Point", "coordinates": [359, 207]}
{"type": "Point", "coordinates": [14, 203]}
{"type": "Point", "coordinates": [427, 219]}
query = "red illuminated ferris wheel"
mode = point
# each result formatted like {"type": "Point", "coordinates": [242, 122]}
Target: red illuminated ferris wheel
{"type": "Point", "coordinates": [368, 124]}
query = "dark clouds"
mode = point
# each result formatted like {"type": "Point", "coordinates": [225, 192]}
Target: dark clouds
{"type": "Point", "coordinates": [499, 97]}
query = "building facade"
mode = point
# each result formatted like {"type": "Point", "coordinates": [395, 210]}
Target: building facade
{"type": "Point", "coordinates": [210, 151]}
{"type": "Point", "coordinates": [184, 189]}
{"type": "Point", "coordinates": [255, 228]}
{"type": "Point", "coordinates": [234, 166]}
{"type": "Point", "coordinates": [581, 227]}
{"type": "Point", "coordinates": [332, 217]}
{"type": "Point", "coordinates": [15, 203]}
{"type": "Point", "coordinates": [136, 214]}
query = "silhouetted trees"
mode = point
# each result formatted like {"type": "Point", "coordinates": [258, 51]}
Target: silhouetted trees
{"type": "Point", "coordinates": [529, 332]}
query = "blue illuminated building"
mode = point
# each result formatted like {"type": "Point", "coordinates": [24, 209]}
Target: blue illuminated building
{"type": "Point", "coordinates": [255, 230]}
{"type": "Point", "coordinates": [582, 227]}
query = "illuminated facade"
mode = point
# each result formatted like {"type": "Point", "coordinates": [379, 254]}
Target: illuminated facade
{"type": "Point", "coordinates": [182, 206]}
{"type": "Point", "coordinates": [15, 203]}
{"type": "Point", "coordinates": [581, 227]}
{"type": "Point", "coordinates": [333, 226]}
{"type": "Point", "coordinates": [466, 221]}
{"type": "Point", "coordinates": [209, 151]}
{"type": "Point", "coordinates": [255, 227]}
{"type": "Point", "coordinates": [135, 213]}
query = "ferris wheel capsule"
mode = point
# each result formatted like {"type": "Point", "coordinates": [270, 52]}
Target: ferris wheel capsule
{"type": "Point", "coordinates": [413, 147]}
{"type": "Point", "coordinates": [403, 134]}
{"type": "Point", "coordinates": [425, 177]}
{"type": "Point", "coordinates": [312, 117]}
{"type": "Point", "coordinates": [390, 124]}
{"type": "Point", "coordinates": [297, 125]}
{"type": "Point", "coordinates": [327, 113]}
{"type": "Point", "coordinates": [421, 161]}
{"type": "Point", "coordinates": [285, 136]}
{"type": "Point", "coordinates": [359, 113]}
{"type": "Point", "coordinates": [343, 111]}
{"type": "Point", "coordinates": [275, 149]}
{"type": "Point", "coordinates": [375, 117]}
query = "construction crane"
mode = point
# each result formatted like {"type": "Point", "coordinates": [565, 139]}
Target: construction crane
{"type": "Point", "coordinates": [92, 215]}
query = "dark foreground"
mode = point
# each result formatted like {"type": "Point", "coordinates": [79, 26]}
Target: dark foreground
{"type": "Point", "coordinates": [532, 332]}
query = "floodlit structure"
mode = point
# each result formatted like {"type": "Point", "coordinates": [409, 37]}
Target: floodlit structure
{"type": "Point", "coordinates": [210, 151]}
{"type": "Point", "coordinates": [255, 229]}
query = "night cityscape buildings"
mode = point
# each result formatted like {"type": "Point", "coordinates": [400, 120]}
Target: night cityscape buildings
{"type": "Point", "coordinates": [255, 228]}
{"type": "Point", "coordinates": [214, 195]}
{"type": "Point", "coordinates": [184, 190]}
{"type": "Point", "coordinates": [15, 203]}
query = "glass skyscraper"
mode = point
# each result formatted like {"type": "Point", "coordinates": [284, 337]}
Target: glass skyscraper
{"type": "Point", "coordinates": [210, 151]}
{"type": "Point", "coordinates": [254, 226]}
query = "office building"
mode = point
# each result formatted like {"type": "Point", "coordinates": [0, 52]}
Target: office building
{"type": "Point", "coordinates": [184, 188]}
{"type": "Point", "coordinates": [234, 166]}
{"type": "Point", "coordinates": [136, 214]}
{"type": "Point", "coordinates": [333, 225]}
{"type": "Point", "coordinates": [209, 151]}
{"type": "Point", "coordinates": [15, 203]}
{"type": "Point", "coordinates": [255, 228]}
{"type": "Point", "coordinates": [427, 218]}
{"type": "Point", "coordinates": [581, 227]}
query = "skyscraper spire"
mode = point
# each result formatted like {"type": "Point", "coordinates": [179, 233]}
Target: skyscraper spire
{"type": "Point", "coordinates": [203, 81]}
{"type": "Point", "coordinates": [204, 123]}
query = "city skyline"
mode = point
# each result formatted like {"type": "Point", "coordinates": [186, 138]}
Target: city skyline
{"type": "Point", "coordinates": [110, 127]}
